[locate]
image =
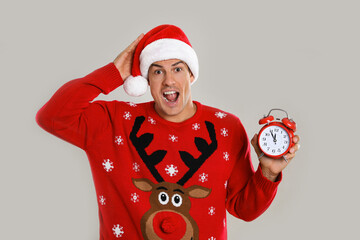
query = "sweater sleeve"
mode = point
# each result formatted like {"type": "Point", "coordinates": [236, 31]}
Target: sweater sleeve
{"type": "Point", "coordinates": [71, 116]}
{"type": "Point", "coordinates": [249, 193]}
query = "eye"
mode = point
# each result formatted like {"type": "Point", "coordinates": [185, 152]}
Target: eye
{"type": "Point", "coordinates": [178, 69]}
{"type": "Point", "coordinates": [163, 198]}
{"type": "Point", "coordinates": [176, 200]}
{"type": "Point", "coordinates": [157, 72]}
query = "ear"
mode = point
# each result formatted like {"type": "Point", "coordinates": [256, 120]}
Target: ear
{"type": "Point", "coordinates": [143, 184]}
{"type": "Point", "coordinates": [196, 191]}
{"type": "Point", "coordinates": [192, 78]}
{"type": "Point", "coordinates": [191, 74]}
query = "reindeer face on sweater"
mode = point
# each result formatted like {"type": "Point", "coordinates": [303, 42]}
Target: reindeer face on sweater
{"type": "Point", "coordinates": [168, 217]}
{"type": "Point", "coordinates": [170, 196]}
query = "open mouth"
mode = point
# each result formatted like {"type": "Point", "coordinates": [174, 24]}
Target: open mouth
{"type": "Point", "coordinates": [171, 96]}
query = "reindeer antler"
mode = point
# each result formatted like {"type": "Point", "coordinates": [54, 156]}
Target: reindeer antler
{"type": "Point", "coordinates": [140, 143]}
{"type": "Point", "coordinates": [205, 149]}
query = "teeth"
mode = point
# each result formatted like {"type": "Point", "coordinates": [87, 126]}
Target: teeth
{"type": "Point", "coordinates": [169, 92]}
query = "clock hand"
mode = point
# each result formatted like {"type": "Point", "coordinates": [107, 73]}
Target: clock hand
{"type": "Point", "coordinates": [275, 138]}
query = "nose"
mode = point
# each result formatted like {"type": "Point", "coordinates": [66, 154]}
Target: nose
{"type": "Point", "coordinates": [169, 225]}
{"type": "Point", "coordinates": [169, 80]}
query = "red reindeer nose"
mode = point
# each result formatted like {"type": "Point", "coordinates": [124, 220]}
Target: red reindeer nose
{"type": "Point", "coordinates": [169, 225]}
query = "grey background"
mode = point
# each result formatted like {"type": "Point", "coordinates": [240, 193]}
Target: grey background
{"type": "Point", "coordinates": [302, 56]}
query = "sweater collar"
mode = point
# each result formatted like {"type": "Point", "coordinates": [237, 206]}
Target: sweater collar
{"type": "Point", "coordinates": [158, 118]}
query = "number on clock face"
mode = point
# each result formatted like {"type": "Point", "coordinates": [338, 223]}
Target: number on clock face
{"type": "Point", "coordinates": [274, 140]}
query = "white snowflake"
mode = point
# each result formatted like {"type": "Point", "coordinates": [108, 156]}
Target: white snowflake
{"type": "Point", "coordinates": [226, 183]}
{"type": "Point", "coordinates": [224, 132]}
{"type": "Point", "coordinates": [136, 167]}
{"type": "Point", "coordinates": [220, 115]}
{"type": "Point", "coordinates": [119, 140]}
{"type": "Point", "coordinates": [131, 104]}
{"type": "Point", "coordinates": [171, 170]}
{"type": "Point", "coordinates": [203, 177]}
{"type": "Point", "coordinates": [212, 238]}
{"type": "Point", "coordinates": [118, 230]}
{"type": "Point", "coordinates": [211, 210]}
{"type": "Point", "coordinates": [196, 126]}
{"type": "Point", "coordinates": [135, 197]}
{"type": "Point", "coordinates": [102, 200]}
{"type": "Point", "coordinates": [173, 138]}
{"type": "Point", "coordinates": [151, 120]}
{"type": "Point", "coordinates": [127, 115]}
{"type": "Point", "coordinates": [226, 156]}
{"type": "Point", "coordinates": [108, 165]}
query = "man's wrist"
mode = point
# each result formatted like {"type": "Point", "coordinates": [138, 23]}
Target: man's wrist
{"type": "Point", "coordinates": [269, 174]}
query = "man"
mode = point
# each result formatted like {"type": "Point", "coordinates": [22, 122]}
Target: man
{"type": "Point", "coordinates": [169, 168]}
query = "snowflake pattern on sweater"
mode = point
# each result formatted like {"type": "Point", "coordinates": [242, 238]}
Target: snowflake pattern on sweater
{"type": "Point", "coordinates": [125, 176]}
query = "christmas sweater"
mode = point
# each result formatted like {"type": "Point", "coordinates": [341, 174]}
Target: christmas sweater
{"type": "Point", "coordinates": [156, 179]}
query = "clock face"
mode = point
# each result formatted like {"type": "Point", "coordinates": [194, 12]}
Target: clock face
{"type": "Point", "coordinates": [274, 140]}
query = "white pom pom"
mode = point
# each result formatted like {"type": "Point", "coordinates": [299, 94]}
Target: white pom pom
{"type": "Point", "coordinates": [135, 86]}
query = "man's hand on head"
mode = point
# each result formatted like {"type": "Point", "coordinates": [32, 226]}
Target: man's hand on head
{"type": "Point", "coordinates": [123, 61]}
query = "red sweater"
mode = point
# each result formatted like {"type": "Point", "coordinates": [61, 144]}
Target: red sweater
{"type": "Point", "coordinates": [156, 179]}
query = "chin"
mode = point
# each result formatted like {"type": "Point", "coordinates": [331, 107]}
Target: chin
{"type": "Point", "coordinates": [172, 111]}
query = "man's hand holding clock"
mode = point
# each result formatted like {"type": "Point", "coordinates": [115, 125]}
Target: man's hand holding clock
{"type": "Point", "coordinates": [271, 168]}
{"type": "Point", "coordinates": [275, 144]}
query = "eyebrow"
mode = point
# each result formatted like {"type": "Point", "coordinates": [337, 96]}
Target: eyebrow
{"type": "Point", "coordinates": [177, 63]}
{"type": "Point", "coordinates": [161, 188]}
{"type": "Point", "coordinates": [178, 190]}
{"type": "Point", "coordinates": [157, 65]}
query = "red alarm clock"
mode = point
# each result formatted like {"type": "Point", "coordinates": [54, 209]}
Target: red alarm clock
{"type": "Point", "coordinates": [275, 138]}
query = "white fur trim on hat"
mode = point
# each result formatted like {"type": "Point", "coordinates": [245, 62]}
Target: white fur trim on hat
{"type": "Point", "coordinates": [135, 86]}
{"type": "Point", "coordinates": [168, 48]}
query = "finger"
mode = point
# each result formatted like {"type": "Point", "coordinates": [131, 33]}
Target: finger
{"type": "Point", "coordinates": [289, 156]}
{"type": "Point", "coordinates": [253, 140]}
{"type": "Point", "coordinates": [296, 139]}
{"type": "Point", "coordinates": [139, 38]}
{"type": "Point", "coordinates": [294, 148]}
{"type": "Point", "coordinates": [255, 145]}
{"type": "Point", "coordinates": [133, 45]}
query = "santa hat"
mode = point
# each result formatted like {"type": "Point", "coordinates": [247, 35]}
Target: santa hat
{"type": "Point", "coordinates": [161, 43]}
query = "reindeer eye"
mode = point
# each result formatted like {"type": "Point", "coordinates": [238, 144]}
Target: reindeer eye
{"type": "Point", "coordinates": [176, 200]}
{"type": "Point", "coordinates": [163, 198]}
